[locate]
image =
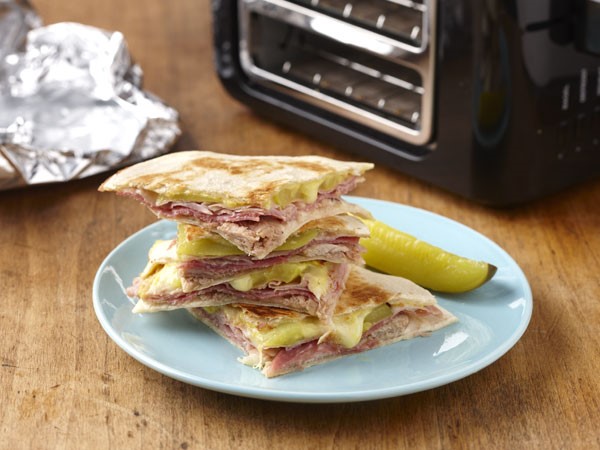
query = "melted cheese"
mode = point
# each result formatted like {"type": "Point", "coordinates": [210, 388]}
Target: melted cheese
{"type": "Point", "coordinates": [209, 245]}
{"type": "Point", "coordinates": [159, 254]}
{"type": "Point", "coordinates": [283, 332]}
{"type": "Point", "coordinates": [164, 279]}
{"type": "Point", "coordinates": [315, 273]}
{"type": "Point", "coordinates": [349, 328]}
{"type": "Point", "coordinates": [346, 329]}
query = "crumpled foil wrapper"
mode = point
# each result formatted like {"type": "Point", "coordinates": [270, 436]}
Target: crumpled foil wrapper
{"type": "Point", "coordinates": [71, 103]}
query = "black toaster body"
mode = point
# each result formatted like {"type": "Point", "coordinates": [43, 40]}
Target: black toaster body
{"type": "Point", "coordinates": [498, 101]}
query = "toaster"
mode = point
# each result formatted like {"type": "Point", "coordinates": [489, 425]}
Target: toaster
{"type": "Point", "coordinates": [497, 101]}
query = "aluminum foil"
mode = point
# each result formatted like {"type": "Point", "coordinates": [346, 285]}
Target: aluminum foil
{"type": "Point", "coordinates": [71, 102]}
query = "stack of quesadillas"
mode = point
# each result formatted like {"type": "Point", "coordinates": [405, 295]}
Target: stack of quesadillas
{"type": "Point", "coordinates": [267, 255]}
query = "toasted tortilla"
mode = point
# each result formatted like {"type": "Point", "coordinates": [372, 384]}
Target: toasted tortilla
{"type": "Point", "coordinates": [230, 180]}
{"type": "Point", "coordinates": [414, 313]}
{"type": "Point", "coordinates": [258, 239]}
{"type": "Point", "coordinates": [326, 227]}
{"type": "Point", "coordinates": [315, 298]}
{"type": "Point", "coordinates": [366, 288]}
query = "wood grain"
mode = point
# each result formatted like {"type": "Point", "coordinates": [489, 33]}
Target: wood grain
{"type": "Point", "coordinates": [65, 384]}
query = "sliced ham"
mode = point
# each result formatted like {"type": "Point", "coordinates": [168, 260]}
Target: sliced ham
{"type": "Point", "coordinates": [311, 353]}
{"type": "Point", "coordinates": [219, 324]}
{"type": "Point", "coordinates": [333, 250]}
{"type": "Point", "coordinates": [294, 296]}
{"type": "Point", "coordinates": [404, 324]}
{"type": "Point", "coordinates": [258, 239]}
{"type": "Point", "coordinates": [202, 213]}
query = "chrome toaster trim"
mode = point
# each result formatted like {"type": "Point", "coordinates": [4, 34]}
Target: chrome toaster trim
{"type": "Point", "coordinates": [416, 56]}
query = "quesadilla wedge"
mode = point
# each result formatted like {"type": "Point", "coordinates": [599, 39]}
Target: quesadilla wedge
{"type": "Point", "coordinates": [180, 272]}
{"type": "Point", "coordinates": [374, 310]}
{"type": "Point", "coordinates": [205, 257]}
{"type": "Point", "coordinates": [255, 202]}
{"type": "Point", "coordinates": [311, 287]}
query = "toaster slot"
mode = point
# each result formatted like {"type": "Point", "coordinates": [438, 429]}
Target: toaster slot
{"type": "Point", "coordinates": [339, 56]}
{"type": "Point", "coordinates": [363, 88]}
{"type": "Point", "coordinates": [398, 20]}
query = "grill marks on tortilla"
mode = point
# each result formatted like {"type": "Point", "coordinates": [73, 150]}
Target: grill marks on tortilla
{"type": "Point", "coordinates": [269, 313]}
{"type": "Point", "coordinates": [359, 291]}
{"type": "Point", "coordinates": [257, 168]}
{"type": "Point", "coordinates": [154, 182]}
{"type": "Point", "coordinates": [233, 179]}
{"type": "Point", "coordinates": [178, 179]}
{"type": "Point", "coordinates": [248, 169]}
{"type": "Point", "coordinates": [235, 167]}
{"type": "Point", "coordinates": [257, 165]}
{"type": "Point", "coordinates": [309, 166]}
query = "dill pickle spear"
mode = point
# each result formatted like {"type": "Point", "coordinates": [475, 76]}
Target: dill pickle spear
{"type": "Point", "coordinates": [397, 253]}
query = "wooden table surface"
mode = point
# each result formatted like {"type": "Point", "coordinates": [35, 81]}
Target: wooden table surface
{"type": "Point", "coordinates": [65, 384]}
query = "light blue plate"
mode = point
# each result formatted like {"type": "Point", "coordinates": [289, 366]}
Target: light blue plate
{"type": "Point", "coordinates": [492, 319]}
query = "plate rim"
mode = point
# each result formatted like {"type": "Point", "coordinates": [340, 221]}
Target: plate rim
{"type": "Point", "coordinates": [323, 397]}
